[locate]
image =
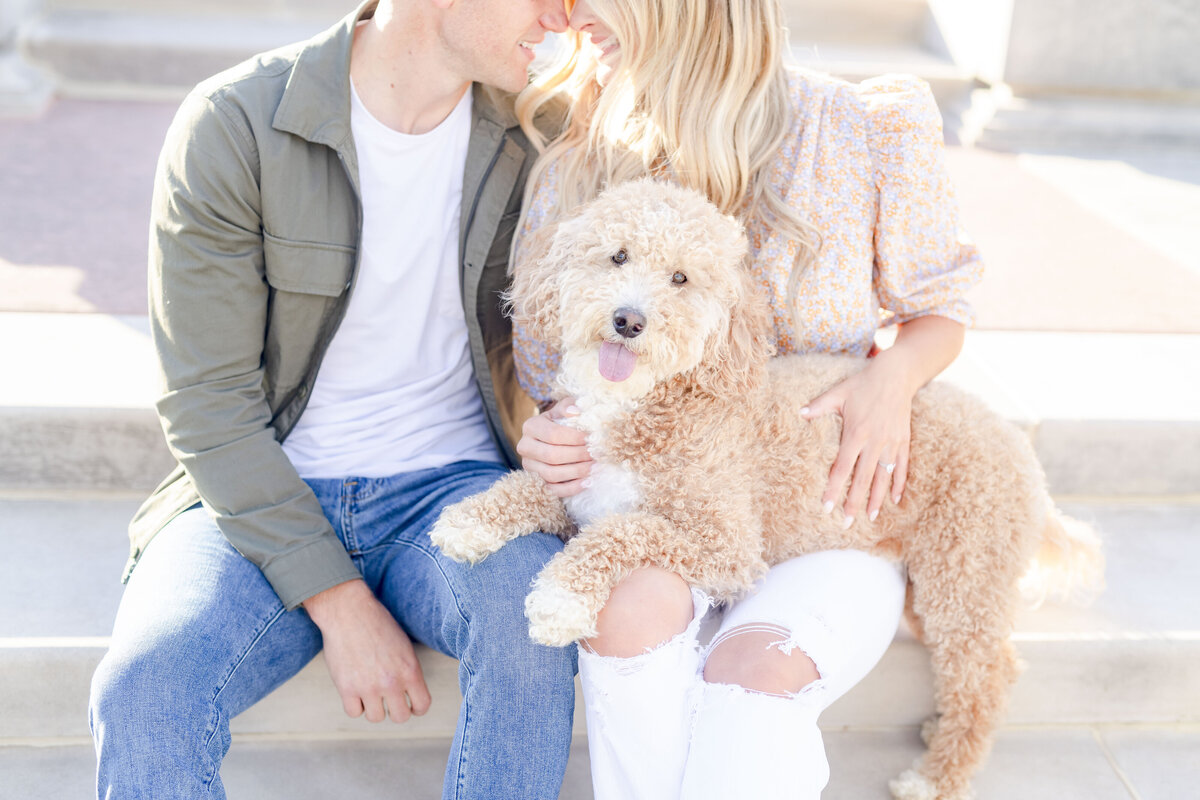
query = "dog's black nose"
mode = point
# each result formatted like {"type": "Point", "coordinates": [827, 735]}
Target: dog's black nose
{"type": "Point", "coordinates": [628, 323]}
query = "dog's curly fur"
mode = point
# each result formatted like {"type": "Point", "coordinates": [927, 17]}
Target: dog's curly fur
{"type": "Point", "coordinates": [705, 467]}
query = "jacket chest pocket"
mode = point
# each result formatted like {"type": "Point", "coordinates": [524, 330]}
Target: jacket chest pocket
{"type": "Point", "coordinates": [308, 267]}
{"type": "Point", "coordinates": [309, 288]}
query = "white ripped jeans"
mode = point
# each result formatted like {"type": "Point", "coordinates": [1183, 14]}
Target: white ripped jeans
{"type": "Point", "coordinates": [658, 731]}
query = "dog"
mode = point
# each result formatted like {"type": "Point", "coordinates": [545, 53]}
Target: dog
{"type": "Point", "coordinates": [704, 465]}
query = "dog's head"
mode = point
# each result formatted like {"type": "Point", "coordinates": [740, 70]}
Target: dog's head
{"type": "Point", "coordinates": [643, 284]}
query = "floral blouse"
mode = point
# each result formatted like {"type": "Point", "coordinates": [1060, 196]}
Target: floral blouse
{"type": "Point", "coordinates": [865, 164]}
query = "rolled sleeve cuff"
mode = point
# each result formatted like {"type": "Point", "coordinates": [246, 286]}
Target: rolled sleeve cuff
{"type": "Point", "coordinates": [960, 311]}
{"type": "Point", "coordinates": [300, 574]}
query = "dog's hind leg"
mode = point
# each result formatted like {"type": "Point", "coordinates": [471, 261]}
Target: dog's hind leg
{"type": "Point", "coordinates": [974, 664]}
{"type": "Point", "coordinates": [517, 504]}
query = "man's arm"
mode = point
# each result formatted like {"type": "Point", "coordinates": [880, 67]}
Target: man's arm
{"type": "Point", "coordinates": [208, 310]}
{"type": "Point", "coordinates": [208, 316]}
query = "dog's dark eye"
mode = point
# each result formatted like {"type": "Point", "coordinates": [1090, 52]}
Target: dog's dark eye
{"type": "Point", "coordinates": [679, 279]}
{"type": "Point", "coordinates": [620, 257]}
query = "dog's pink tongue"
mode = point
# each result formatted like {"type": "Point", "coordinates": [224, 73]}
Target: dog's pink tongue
{"type": "Point", "coordinates": [616, 361]}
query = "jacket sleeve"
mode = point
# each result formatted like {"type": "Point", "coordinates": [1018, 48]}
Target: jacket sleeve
{"type": "Point", "coordinates": [209, 302]}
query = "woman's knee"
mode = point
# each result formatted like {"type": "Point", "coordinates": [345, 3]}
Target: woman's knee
{"type": "Point", "coordinates": [646, 609]}
{"type": "Point", "coordinates": [760, 660]}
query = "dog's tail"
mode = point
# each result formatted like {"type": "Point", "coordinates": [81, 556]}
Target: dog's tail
{"type": "Point", "coordinates": [1069, 566]}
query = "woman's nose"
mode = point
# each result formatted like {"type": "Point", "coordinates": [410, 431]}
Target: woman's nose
{"type": "Point", "coordinates": [581, 16]}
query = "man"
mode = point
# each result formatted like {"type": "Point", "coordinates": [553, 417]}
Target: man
{"type": "Point", "coordinates": [344, 204]}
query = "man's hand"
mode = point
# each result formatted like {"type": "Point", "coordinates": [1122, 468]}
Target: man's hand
{"type": "Point", "coordinates": [371, 660]}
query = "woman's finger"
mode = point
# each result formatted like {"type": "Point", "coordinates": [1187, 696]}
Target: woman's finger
{"type": "Point", "coordinates": [860, 485]}
{"type": "Point", "coordinates": [885, 472]}
{"type": "Point", "coordinates": [557, 473]}
{"type": "Point", "coordinates": [544, 428]}
{"type": "Point", "coordinates": [841, 471]}
{"type": "Point", "coordinates": [553, 454]}
{"type": "Point", "coordinates": [900, 477]}
{"type": "Point", "coordinates": [830, 402]}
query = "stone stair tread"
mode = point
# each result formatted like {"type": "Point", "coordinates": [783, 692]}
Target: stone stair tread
{"type": "Point", "coordinates": [1152, 550]}
{"type": "Point", "coordinates": [875, 59]}
{"type": "Point", "coordinates": [133, 53]}
{"type": "Point", "coordinates": [862, 22]}
{"type": "Point", "coordinates": [1095, 763]}
{"type": "Point", "coordinates": [1109, 413]}
{"type": "Point", "coordinates": [1127, 658]}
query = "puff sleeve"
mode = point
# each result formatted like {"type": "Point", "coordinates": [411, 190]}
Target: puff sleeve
{"type": "Point", "coordinates": [924, 262]}
{"type": "Point", "coordinates": [536, 362]}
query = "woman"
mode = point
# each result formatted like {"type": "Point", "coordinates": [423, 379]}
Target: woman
{"type": "Point", "coordinates": [852, 224]}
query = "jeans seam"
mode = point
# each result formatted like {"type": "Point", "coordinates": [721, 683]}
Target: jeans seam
{"type": "Point", "coordinates": [463, 661]}
{"type": "Point", "coordinates": [462, 615]}
{"type": "Point", "coordinates": [348, 506]}
{"type": "Point", "coordinates": [214, 722]}
{"type": "Point", "coordinates": [462, 747]}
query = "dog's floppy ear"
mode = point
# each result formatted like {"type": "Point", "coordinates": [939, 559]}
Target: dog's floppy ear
{"type": "Point", "coordinates": [735, 358]}
{"type": "Point", "coordinates": [532, 299]}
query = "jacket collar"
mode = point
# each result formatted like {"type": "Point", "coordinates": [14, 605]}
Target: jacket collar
{"type": "Point", "coordinates": [316, 100]}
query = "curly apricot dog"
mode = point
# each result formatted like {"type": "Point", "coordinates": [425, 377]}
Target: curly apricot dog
{"type": "Point", "coordinates": [704, 465]}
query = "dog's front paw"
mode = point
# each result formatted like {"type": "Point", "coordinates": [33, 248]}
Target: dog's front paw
{"type": "Point", "coordinates": [558, 616]}
{"type": "Point", "coordinates": [462, 535]}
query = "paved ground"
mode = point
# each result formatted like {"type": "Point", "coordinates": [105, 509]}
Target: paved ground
{"type": "Point", "coordinates": [1080, 241]}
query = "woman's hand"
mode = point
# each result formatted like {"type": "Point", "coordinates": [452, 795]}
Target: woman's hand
{"type": "Point", "coordinates": [556, 453]}
{"type": "Point", "coordinates": [876, 410]}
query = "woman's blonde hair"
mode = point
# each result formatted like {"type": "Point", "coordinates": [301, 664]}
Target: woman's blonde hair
{"type": "Point", "coordinates": [700, 95]}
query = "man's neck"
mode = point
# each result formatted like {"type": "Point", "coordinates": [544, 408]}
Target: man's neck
{"type": "Point", "coordinates": [397, 74]}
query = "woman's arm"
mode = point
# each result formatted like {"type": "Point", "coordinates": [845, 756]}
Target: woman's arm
{"type": "Point", "coordinates": [876, 410]}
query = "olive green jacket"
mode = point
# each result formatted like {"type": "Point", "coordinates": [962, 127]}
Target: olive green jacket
{"type": "Point", "coordinates": [255, 226]}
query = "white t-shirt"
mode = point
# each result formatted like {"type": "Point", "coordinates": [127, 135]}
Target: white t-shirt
{"type": "Point", "coordinates": [396, 390]}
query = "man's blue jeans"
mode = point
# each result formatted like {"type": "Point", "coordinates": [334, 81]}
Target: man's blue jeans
{"type": "Point", "coordinates": [200, 637]}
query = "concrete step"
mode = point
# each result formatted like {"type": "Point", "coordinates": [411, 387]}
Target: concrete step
{"type": "Point", "coordinates": [314, 9]}
{"type": "Point", "coordinates": [995, 119]}
{"type": "Point", "coordinates": [139, 49]}
{"type": "Point", "coordinates": [152, 50]}
{"type": "Point", "coordinates": [276, 768]}
{"type": "Point", "coordinates": [1128, 659]}
{"type": "Point", "coordinates": [1109, 414]}
{"type": "Point", "coordinates": [1057, 763]}
{"type": "Point", "coordinates": [952, 86]}
{"type": "Point", "coordinates": [857, 22]}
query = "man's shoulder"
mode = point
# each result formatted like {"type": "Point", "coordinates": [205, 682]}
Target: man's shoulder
{"type": "Point", "coordinates": [255, 84]}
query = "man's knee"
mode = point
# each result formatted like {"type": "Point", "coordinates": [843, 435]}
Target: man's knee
{"type": "Point", "coordinates": [128, 683]}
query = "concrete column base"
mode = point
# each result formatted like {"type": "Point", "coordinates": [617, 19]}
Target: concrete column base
{"type": "Point", "coordinates": [24, 91]}
{"type": "Point", "coordinates": [999, 119]}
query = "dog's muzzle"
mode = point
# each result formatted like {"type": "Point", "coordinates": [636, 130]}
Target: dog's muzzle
{"type": "Point", "coordinates": [628, 322]}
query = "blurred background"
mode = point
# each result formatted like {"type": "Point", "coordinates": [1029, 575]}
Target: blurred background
{"type": "Point", "coordinates": [1073, 138]}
